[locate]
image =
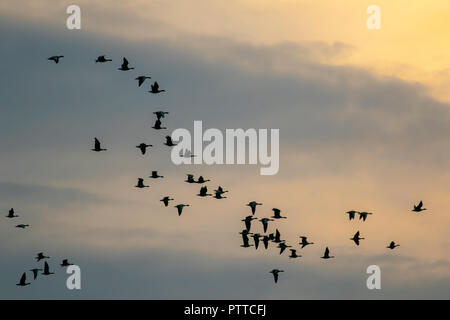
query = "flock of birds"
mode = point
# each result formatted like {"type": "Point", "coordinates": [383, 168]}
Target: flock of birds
{"type": "Point", "coordinates": [265, 238]}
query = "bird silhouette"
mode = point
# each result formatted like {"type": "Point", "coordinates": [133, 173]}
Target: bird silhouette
{"type": "Point", "coordinates": [283, 246]}
{"type": "Point", "coordinates": [305, 242]}
{"type": "Point", "coordinates": [248, 222]}
{"type": "Point", "coordinates": [326, 254]}
{"type": "Point", "coordinates": [245, 239]}
{"type": "Point", "coordinates": [275, 273]}
{"type": "Point", "coordinates": [23, 280]}
{"type": "Point", "coordinates": [294, 254]}
{"type": "Point", "coordinates": [97, 146]}
{"type": "Point", "coordinates": [266, 241]}
{"type": "Point", "coordinates": [102, 59]}
{"type": "Point", "coordinates": [180, 208]}
{"type": "Point", "coordinates": [419, 207]}
{"type": "Point", "coordinates": [219, 192]}
{"type": "Point", "coordinates": [40, 256]}
{"type": "Point", "coordinates": [140, 183]}
{"type": "Point", "coordinates": [204, 192]}
{"type": "Point", "coordinates": [22, 226]}
{"type": "Point", "coordinates": [363, 215]}
{"type": "Point", "coordinates": [47, 270]}
{"type": "Point", "coordinates": [124, 66]}
{"type": "Point", "coordinates": [265, 222]}
{"type": "Point", "coordinates": [155, 175]}
{"type": "Point", "coordinates": [252, 205]}
{"type": "Point", "coordinates": [169, 142]}
{"type": "Point", "coordinates": [35, 272]}
{"type": "Point", "coordinates": [11, 214]}
{"type": "Point", "coordinates": [351, 214]}
{"type": "Point", "coordinates": [201, 180]}
{"type": "Point", "coordinates": [55, 58]}
{"type": "Point", "coordinates": [155, 88]}
{"type": "Point", "coordinates": [356, 238]}
{"type": "Point", "coordinates": [66, 263]}
{"type": "Point", "coordinates": [276, 214]}
{"type": "Point", "coordinates": [277, 237]}
{"type": "Point", "coordinates": [392, 245]}
{"type": "Point", "coordinates": [190, 178]}
{"type": "Point", "coordinates": [143, 147]}
{"type": "Point", "coordinates": [166, 200]}
{"type": "Point", "coordinates": [256, 237]}
{"type": "Point", "coordinates": [157, 125]}
{"type": "Point", "coordinates": [141, 80]}
{"type": "Point", "coordinates": [160, 114]}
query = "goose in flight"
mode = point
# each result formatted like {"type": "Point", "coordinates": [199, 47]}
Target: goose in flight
{"type": "Point", "coordinates": [248, 222]}
{"type": "Point", "coordinates": [356, 238]}
{"type": "Point", "coordinates": [253, 205]}
{"type": "Point", "coordinates": [277, 237]}
{"type": "Point", "coordinates": [143, 147]}
{"type": "Point", "coordinates": [245, 240]}
{"type": "Point", "coordinates": [305, 242]}
{"type": "Point", "coordinates": [392, 245]}
{"type": "Point", "coordinates": [265, 222]}
{"type": "Point", "coordinates": [23, 280]}
{"type": "Point", "coordinates": [97, 146]}
{"type": "Point", "coordinates": [201, 180]}
{"type": "Point", "coordinates": [276, 214]}
{"type": "Point", "coordinates": [266, 241]}
{"type": "Point", "coordinates": [35, 272]}
{"type": "Point", "coordinates": [275, 273]}
{"type": "Point", "coordinates": [160, 114]}
{"type": "Point", "coordinates": [11, 214]}
{"type": "Point", "coordinates": [155, 175]}
{"type": "Point", "coordinates": [218, 194]}
{"type": "Point", "coordinates": [351, 214]}
{"type": "Point", "coordinates": [155, 88]}
{"type": "Point", "coordinates": [363, 215]}
{"type": "Point", "coordinates": [419, 208]}
{"type": "Point", "coordinates": [66, 263]}
{"type": "Point", "coordinates": [40, 256]}
{"type": "Point", "coordinates": [22, 226]}
{"type": "Point", "coordinates": [166, 200]}
{"type": "Point", "coordinates": [190, 178]}
{"type": "Point", "coordinates": [204, 192]}
{"type": "Point", "coordinates": [140, 183]}
{"type": "Point", "coordinates": [141, 80]}
{"type": "Point", "coordinates": [256, 237]}
{"type": "Point", "coordinates": [157, 125]}
{"type": "Point", "coordinates": [180, 208]}
{"type": "Point", "coordinates": [55, 58]}
{"type": "Point", "coordinates": [283, 246]}
{"type": "Point", "coordinates": [47, 270]}
{"type": "Point", "coordinates": [124, 66]}
{"type": "Point", "coordinates": [102, 59]}
{"type": "Point", "coordinates": [326, 254]}
{"type": "Point", "coordinates": [169, 142]}
{"type": "Point", "coordinates": [294, 254]}
{"type": "Point", "coordinates": [220, 190]}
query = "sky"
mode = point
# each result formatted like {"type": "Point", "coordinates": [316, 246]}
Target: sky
{"type": "Point", "coordinates": [364, 124]}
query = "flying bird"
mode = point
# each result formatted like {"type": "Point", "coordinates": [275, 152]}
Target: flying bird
{"type": "Point", "coordinates": [180, 208]}
{"type": "Point", "coordinates": [169, 142]}
{"type": "Point", "coordinates": [201, 180]}
{"type": "Point", "coordinates": [155, 88]}
{"type": "Point", "coordinates": [155, 175]}
{"type": "Point", "coordinates": [419, 208]}
{"type": "Point", "coordinates": [97, 146]}
{"type": "Point", "coordinates": [356, 238]}
{"type": "Point", "coordinates": [283, 246]}
{"type": "Point", "coordinates": [190, 178]}
{"type": "Point", "coordinates": [248, 222]}
{"type": "Point", "coordinates": [22, 226]}
{"type": "Point", "coordinates": [351, 214]}
{"type": "Point", "coordinates": [363, 215]}
{"type": "Point", "coordinates": [160, 114]}
{"type": "Point", "coordinates": [143, 147]}
{"type": "Point", "coordinates": [275, 273]}
{"type": "Point", "coordinates": [266, 241]}
{"type": "Point", "coordinates": [23, 280]}
{"type": "Point", "coordinates": [204, 192]}
{"type": "Point", "coordinates": [141, 80]}
{"type": "Point", "coordinates": [40, 256]}
{"type": "Point", "coordinates": [102, 59]}
{"type": "Point", "coordinates": [11, 214]}
{"type": "Point", "coordinates": [65, 263]}
{"type": "Point", "coordinates": [124, 66]}
{"type": "Point", "coordinates": [305, 242]}
{"type": "Point", "coordinates": [392, 245]}
{"type": "Point", "coordinates": [55, 58]}
{"type": "Point", "coordinates": [277, 237]}
{"type": "Point", "coordinates": [326, 254]}
{"type": "Point", "coordinates": [256, 237]}
{"type": "Point", "coordinates": [276, 214]}
{"type": "Point", "coordinates": [253, 205]}
{"type": "Point", "coordinates": [157, 125]}
{"type": "Point", "coordinates": [245, 239]}
{"type": "Point", "coordinates": [47, 270]}
{"type": "Point", "coordinates": [166, 200]}
{"type": "Point", "coordinates": [265, 222]}
{"type": "Point", "coordinates": [140, 183]}
{"type": "Point", "coordinates": [294, 254]}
